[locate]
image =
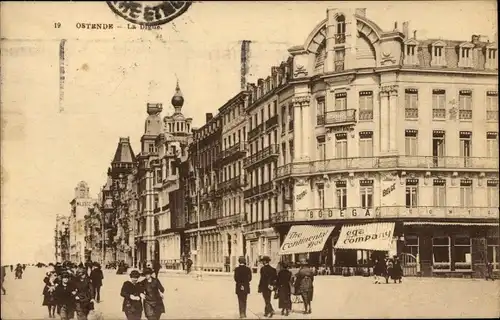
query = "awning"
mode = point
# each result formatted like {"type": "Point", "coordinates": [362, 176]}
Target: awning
{"type": "Point", "coordinates": [305, 238]}
{"type": "Point", "coordinates": [436, 223]}
{"type": "Point", "coordinates": [371, 236]}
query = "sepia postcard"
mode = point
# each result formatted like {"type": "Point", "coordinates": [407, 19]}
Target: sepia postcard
{"type": "Point", "coordinates": [249, 159]}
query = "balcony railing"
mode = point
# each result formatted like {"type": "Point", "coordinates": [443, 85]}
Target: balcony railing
{"type": "Point", "coordinates": [365, 114]}
{"type": "Point", "coordinates": [234, 219]}
{"type": "Point", "coordinates": [260, 189]}
{"type": "Point", "coordinates": [271, 122]}
{"type": "Point", "coordinates": [234, 183]}
{"type": "Point", "coordinates": [387, 162]}
{"type": "Point", "coordinates": [258, 225]}
{"type": "Point", "coordinates": [339, 38]}
{"type": "Point", "coordinates": [320, 119]}
{"type": "Point", "coordinates": [411, 113]}
{"type": "Point", "coordinates": [238, 147]}
{"type": "Point", "coordinates": [340, 116]}
{"type": "Point", "coordinates": [439, 113]}
{"type": "Point", "coordinates": [256, 131]}
{"type": "Point", "coordinates": [394, 212]}
{"type": "Point", "coordinates": [492, 115]}
{"type": "Point", "coordinates": [272, 150]}
{"type": "Point", "coordinates": [465, 114]}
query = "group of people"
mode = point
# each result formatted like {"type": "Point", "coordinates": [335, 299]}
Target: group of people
{"type": "Point", "coordinates": [71, 289]}
{"type": "Point", "coordinates": [18, 274]}
{"type": "Point", "coordinates": [388, 268]}
{"type": "Point", "coordinates": [281, 282]}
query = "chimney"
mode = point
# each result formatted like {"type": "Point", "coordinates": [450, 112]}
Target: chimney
{"type": "Point", "coordinates": [208, 117]}
{"type": "Point", "coordinates": [415, 34]}
{"type": "Point", "coordinates": [245, 57]}
{"type": "Point", "coordinates": [395, 26]}
{"type": "Point", "coordinates": [406, 25]}
{"type": "Point", "coordinates": [360, 12]}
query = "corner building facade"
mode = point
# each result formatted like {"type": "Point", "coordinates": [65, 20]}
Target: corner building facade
{"type": "Point", "coordinates": [380, 126]}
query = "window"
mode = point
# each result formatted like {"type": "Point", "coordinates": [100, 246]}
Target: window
{"type": "Point", "coordinates": [283, 119]}
{"type": "Point", "coordinates": [339, 59]}
{"type": "Point", "coordinates": [365, 105]}
{"type": "Point", "coordinates": [411, 193]}
{"type": "Point", "coordinates": [321, 147]}
{"type": "Point", "coordinates": [341, 194]}
{"type": "Point", "coordinates": [493, 252]}
{"type": "Point", "coordinates": [366, 192]}
{"type": "Point", "coordinates": [321, 195]}
{"type": "Point", "coordinates": [492, 144]}
{"type": "Point", "coordinates": [341, 145]}
{"type": "Point", "coordinates": [262, 115]}
{"type": "Point", "coordinates": [156, 201]}
{"type": "Point", "coordinates": [411, 245]}
{"type": "Point", "coordinates": [439, 193]}
{"type": "Point", "coordinates": [411, 142]}
{"type": "Point", "coordinates": [340, 101]}
{"type": "Point", "coordinates": [438, 148]}
{"type": "Point", "coordinates": [491, 58]}
{"type": "Point", "coordinates": [438, 54]}
{"type": "Point", "coordinates": [320, 111]}
{"type": "Point", "coordinates": [462, 253]}
{"type": "Point", "coordinates": [466, 193]}
{"type": "Point", "coordinates": [465, 57]}
{"type": "Point", "coordinates": [438, 104]}
{"type": "Point", "coordinates": [441, 253]}
{"type": "Point", "coordinates": [465, 105]}
{"type": "Point", "coordinates": [151, 147]}
{"type": "Point", "coordinates": [466, 147]}
{"type": "Point", "coordinates": [340, 34]}
{"type": "Point", "coordinates": [411, 104]}
{"type": "Point", "coordinates": [492, 187]}
{"type": "Point", "coordinates": [158, 175]}
{"type": "Point", "coordinates": [366, 144]}
{"type": "Point", "coordinates": [283, 152]}
{"type": "Point", "coordinates": [492, 105]}
{"type": "Point", "coordinates": [290, 117]}
{"type": "Point", "coordinates": [275, 107]}
{"type": "Point", "coordinates": [292, 150]}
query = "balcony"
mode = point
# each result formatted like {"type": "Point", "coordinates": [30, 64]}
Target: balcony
{"type": "Point", "coordinates": [237, 149]}
{"type": "Point", "coordinates": [465, 114]}
{"type": "Point", "coordinates": [269, 151]}
{"type": "Point", "coordinates": [365, 115]}
{"type": "Point", "coordinates": [260, 189]}
{"type": "Point", "coordinates": [438, 113]}
{"type": "Point", "coordinates": [258, 225]}
{"type": "Point", "coordinates": [388, 162]}
{"type": "Point", "coordinates": [339, 38]}
{"type": "Point", "coordinates": [492, 115]}
{"type": "Point", "coordinates": [232, 220]}
{"type": "Point", "coordinates": [411, 113]}
{"type": "Point", "coordinates": [271, 122]}
{"type": "Point", "coordinates": [340, 117]}
{"type": "Point", "coordinates": [233, 184]}
{"type": "Point", "coordinates": [256, 131]}
{"type": "Point", "coordinates": [395, 212]}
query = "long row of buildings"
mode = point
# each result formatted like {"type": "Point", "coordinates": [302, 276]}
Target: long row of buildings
{"type": "Point", "coordinates": [358, 126]}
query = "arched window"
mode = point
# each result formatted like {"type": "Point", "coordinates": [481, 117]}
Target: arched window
{"type": "Point", "coordinates": [341, 24]}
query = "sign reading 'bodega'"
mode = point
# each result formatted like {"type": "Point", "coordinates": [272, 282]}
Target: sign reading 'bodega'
{"type": "Point", "coordinates": [372, 236]}
{"type": "Point", "coordinates": [307, 238]}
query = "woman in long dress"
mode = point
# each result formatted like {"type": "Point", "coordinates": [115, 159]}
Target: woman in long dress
{"type": "Point", "coordinates": [132, 292]}
{"type": "Point", "coordinates": [284, 289]}
{"type": "Point", "coordinates": [153, 300]}
{"type": "Point", "coordinates": [305, 279]}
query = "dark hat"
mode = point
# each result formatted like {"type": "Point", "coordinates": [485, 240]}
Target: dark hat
{"type": "Point", "coordinates": [284, 265]}
{"type": "Point", "coordinates": [80, 273]}
{"type": "Point", "coordinates": [147, 271]}
{"type": "Point", "coordinates": [265, 259]}
{"type": "Point", "coordinates": [242, 260]}
{"type": "Point", "coordinates": [65, 275]}
{"type": "Point", "coordinates": [135, 274]}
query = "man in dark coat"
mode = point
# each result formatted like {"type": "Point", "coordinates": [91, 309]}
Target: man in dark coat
{"type": "Point", "coordinates": [84, 295]}
{"type": "Point", "coordinates": [267, 285]}
{"type": "Point", "coordinates": [132, 292]}
{"type": "Point", "coordinates": [242, 277]}
{"type": "Point", "coordinates": [96, 277]}
{"type": "Point", "coordinates": [65, 297]}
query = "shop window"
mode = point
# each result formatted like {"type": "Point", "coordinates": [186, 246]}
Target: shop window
{"type": "Point", "coordinates": [441, 254]}
{"type": "Point", "coordinates": [411, 245]}
{"type": "Point", "coordinates": [462, 253]}
{"type": "Point", "coordinates": [493, 252]}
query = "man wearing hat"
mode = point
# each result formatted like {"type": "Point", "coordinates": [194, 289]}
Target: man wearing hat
{"type": "Point", "coordinates": [267, 284]}
{"type": "Point", "coordinates": [84, 295]}
{"type": "Point", "coordinates": [65, 297]}
{"type": "Point", "coordinates": [242, 277]}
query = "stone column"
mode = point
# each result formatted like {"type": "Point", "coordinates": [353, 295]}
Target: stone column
{"type": "Point", "coordinates": [302, 129]}
{"type": "Point", "coordinates": [308, 129]}
{"type": "Point", "coordinates": [393, 118]}
{"type": "Point", "coordinates": [297, 128]}
{"type": "Point", "coordinates": [384, 120]}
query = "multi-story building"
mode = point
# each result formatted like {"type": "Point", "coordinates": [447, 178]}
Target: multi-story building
{"type": "Point", "coordinates": [80, 206]}
{"type": "Point", "coordinates": [205, 201]}
{"type": "Point", "coordinates": [172, 145]}
{"type": "Point", "coordinates": [232, 178]}
{"type": "Point", "coordinates": [260, 164]}
{"type": "Point", "coordinates": [387, 127]}
{"type": "Point", "coordinates": [93, 234]}
{"type": "Point", "coordinates": [145, 245]}
{"type": "Point", "coordinates": [61, 239]}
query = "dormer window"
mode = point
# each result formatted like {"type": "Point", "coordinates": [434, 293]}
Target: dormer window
{"type": "Point", "coordinates": [465, 55]}
{"type": "Point", "coordinates": [411, 57]}
{"type": "Point", "coordinates": [438, 54]}
{"type": "Point", "coordinates": [491, 61]}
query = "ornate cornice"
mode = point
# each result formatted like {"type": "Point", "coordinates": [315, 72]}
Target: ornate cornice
{"type": "Point", "coordinates": [390, 89]}
{"type": "Point", "coordinates": [301, 101]}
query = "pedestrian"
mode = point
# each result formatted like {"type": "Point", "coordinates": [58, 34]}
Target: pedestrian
{"type": "Point", "coordinates": [305, 281]}
{"type": "Point", "coordinates": [19, 271]}
{"type": "Point", "coordinates": [132, 292]}
{"type": "Point", "coordinates": [84, 297]}
{"type": "Point", "coordinates": [189, 263]}
{"type": "Point", "coordinates": [2, 278]}
{"type": "Point", "coordinates": [267, 285]}
{"type": "Point", "coordinates": [242, 278]}
{"type": "Point", "coordinates": [65, 298]}
{"type": "Point", "coordinates": [389, 270]}
{"type": "Point", "coordinates": [397, 270]}
{"type": "Point", "coordinates": [11, 268]}
{"type": "Point", "coordinates": [49, 298]}
{"type": "Point", "coordinates": [489, 271]}
{"type": "Point", "coordinates": [153, 296]}
{"type": "Point", "coordinates": [378, 269]}
{"type": "Point", "coordinates": [96, 277]}
{"type": "Point", "coordinates": [284, 289]}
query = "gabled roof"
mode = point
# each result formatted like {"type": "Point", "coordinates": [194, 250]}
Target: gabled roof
{"type": "Point", "coordinates": [124, 152]}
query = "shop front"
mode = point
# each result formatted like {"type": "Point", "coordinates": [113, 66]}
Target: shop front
{"type": "Point", "coordinates": [259, 243]}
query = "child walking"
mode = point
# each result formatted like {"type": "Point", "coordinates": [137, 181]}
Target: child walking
{"type": "Point", "coordinates": [49, 299]}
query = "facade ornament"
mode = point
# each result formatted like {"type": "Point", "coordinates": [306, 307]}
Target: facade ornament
{"type": "Point", "coordinates": [387, 58]}
{"type": "Point", "coordinates": [393, 91]}
{"type": "Point", "coordinates": [480, 181]}
{"type": "Point", "coordinates": [454, 178]}
{"type": "Point", "coordinates": [301, 70]}
{"type": "Point", "coordinates": [351, 178]}
{"type": "Point", "coordinates": [301, 182]}
{"type": "Point", "coordinates": [301, 101]}
{"type": "Point", "coordinates": [384, 90]}
{"type": "Point", "coordinates": [427, 178]}
{"type": "Point", "coordinates": [402, 177]}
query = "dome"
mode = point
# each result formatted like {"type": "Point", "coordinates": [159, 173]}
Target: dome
{"type": "Point", "coordinates": [177, 99]}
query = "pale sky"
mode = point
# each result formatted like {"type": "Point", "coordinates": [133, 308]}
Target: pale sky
{"type": "Point", "coordinates": [111, 75]}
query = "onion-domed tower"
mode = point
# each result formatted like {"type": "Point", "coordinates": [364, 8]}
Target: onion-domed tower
{"type": "Point", "coordinates": [177, 99]}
